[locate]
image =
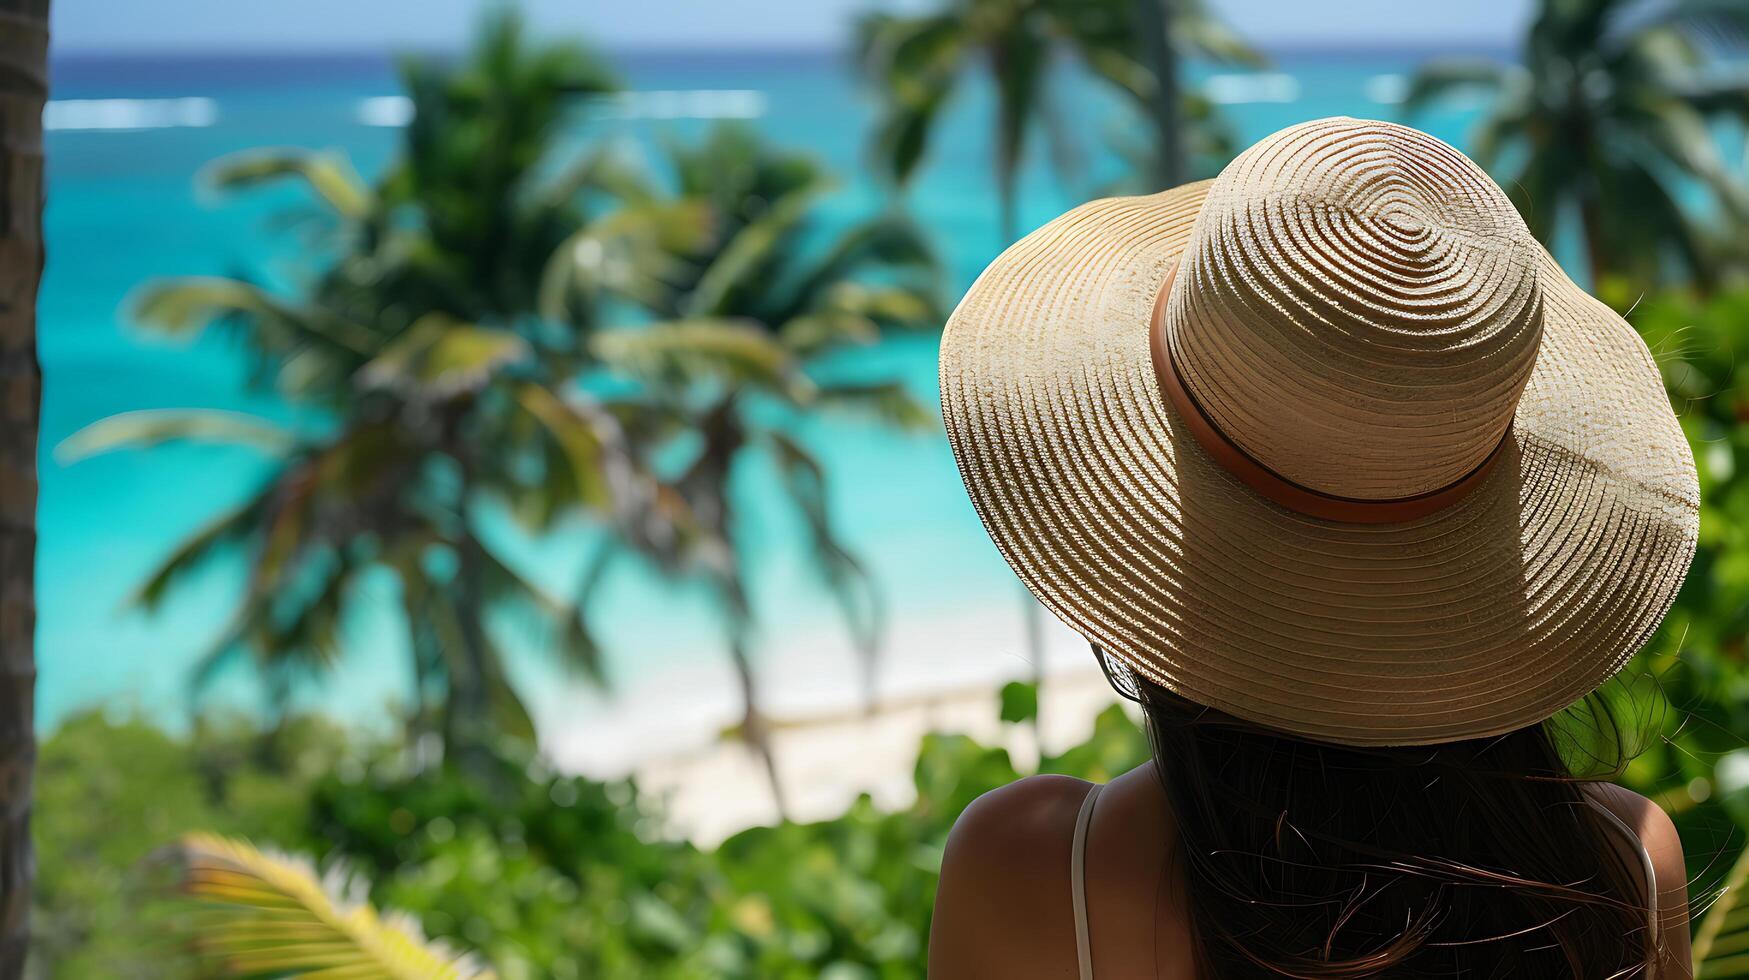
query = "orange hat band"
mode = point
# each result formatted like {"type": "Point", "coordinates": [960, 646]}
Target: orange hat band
{"type": "Point", "coordinates": [1273, 486]}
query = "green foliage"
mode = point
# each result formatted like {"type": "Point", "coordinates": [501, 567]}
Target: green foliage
{"type": "Point", "coordinates": [543, 875]}
{"type": "Point", "coordinates": [417, 345]}
{"type": "Point", "coordinates": [110, 793]}
{"type": "Point", "coordinates": [754, 311]}
{"type": "Point", "coordinates": [917, 62]}
{"type": "Point", "coordinates": [1019, 702]}
{"type": "Point", "coordinates": [1721, 942]}
{"type": "Point", "coordinates": [270, 915]}
{"type": "Point", "coordinates": [450, 337]}
{"type": "Point", "coordinates": [1612, 105]}
{"type": "Point", "coordinates": [1690, 688]}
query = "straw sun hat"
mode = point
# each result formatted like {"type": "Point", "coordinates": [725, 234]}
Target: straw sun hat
{"type": "Point", "coordinates": [1328, 443]}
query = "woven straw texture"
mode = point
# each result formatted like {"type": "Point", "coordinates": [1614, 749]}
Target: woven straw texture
{"type": "Point", "coordinates": [1359, 309]}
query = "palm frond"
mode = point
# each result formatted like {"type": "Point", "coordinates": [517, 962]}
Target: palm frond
{"type": "Point", "coordinates": [751, 250]}
{"type": "Point", "coordinates": [329, 176]}
{"type": "Point", "coordinates": [889, 402]}
{"type": "Point", "coordinates": [681, 351]}
{"type": "Point", "coordinates": [1721, 943]}
{"type": "Point", "coordinates": [606, 169]}
{"type": "Point", "coordinates": [1025, 59]}
{"type": "Point", "coordinates": [186, 306]}
{"type": "Point", "coordinates": [152, 427]}
{"type": "Point", "coordinates": [1443, 77]}
{"type": "Point", "coordinates": [888, 244]}
{"type": "Point", "coordinates": [577, 437]}
{"type": "Point", "coordinates": [272, 915]}
{"type": "Point", "coordinates": [1682, 135]}
{"type": "Point", "coordinates": [816, 333]}
{"type": "Point", "coordinates": [1200, 34]}
{"type": "Point", "coordinates": [183, 307]}
{"type": "Point", "coordinates": [915, 63]}
{"type": "Point", "coordinates": [440, 356]}
{"type": "Point", "coordinates": [1720, 22]}
{"type": "Point", "coordinates": [228, 529]}
{"type": "Point", "coordinates": [634, 253]}
{"type": "Point", "coordinates": [853, 587]}
{"type": "Point", "coordinates": [552, 624]}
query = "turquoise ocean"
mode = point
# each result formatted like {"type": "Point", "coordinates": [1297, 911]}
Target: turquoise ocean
{"type": "Point", "coordinates": [127, 136]}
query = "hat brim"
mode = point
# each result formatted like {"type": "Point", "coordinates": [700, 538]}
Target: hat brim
{"type": "Point", "coordinates": [1484, 617]}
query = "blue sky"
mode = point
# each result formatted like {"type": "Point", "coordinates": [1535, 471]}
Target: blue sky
{"type": "Point", "coordinates": [183, 25]}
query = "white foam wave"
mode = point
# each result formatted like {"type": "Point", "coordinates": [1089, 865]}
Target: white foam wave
{"type": "Point", "coordinates": [1267, 87]}
{"type": "Point", "coordinates": [129, 114]}
{"type": "Point", "coordinates": [385, 110]}
{"type": "Point", "coordinates": [1387, 89]}
{"type": "Point", "coordinates": [687, 104]}
{"type": "Point", "coordinates": [397, 110]}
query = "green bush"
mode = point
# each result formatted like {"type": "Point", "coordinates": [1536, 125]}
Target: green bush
{"type": "Point", "coordinates": [111, 792]}
{"type": "Point", "coordinates": [1690, 687]}
{"type": "Point", "coordinates": [544, 875]}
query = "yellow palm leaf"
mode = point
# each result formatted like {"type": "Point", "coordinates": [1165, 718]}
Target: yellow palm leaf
{"type": "Point", "coordinates": [1721, 944]}
{"type": "Point", "coordinates": [273, 915]}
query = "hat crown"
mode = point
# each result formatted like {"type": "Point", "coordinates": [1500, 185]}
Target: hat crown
{"type": "Point", "coordinates": [1358, 309]}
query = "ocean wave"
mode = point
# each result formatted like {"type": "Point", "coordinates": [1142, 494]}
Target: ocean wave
{"type": "Point", "coordinates": [397, 110]}
{"type": "Point", "coordinates": [384, 110]}
{"type": "Point", "coordinates": [129, 114]}
{"type": "Point", "coordinates": [686, 104]}
{"type": "Point", "coordinates": [1387, 89]}
{"type": "Point", "coordinates": [1266, 87]}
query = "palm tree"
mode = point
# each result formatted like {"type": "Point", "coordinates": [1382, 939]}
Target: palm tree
{"type": "Point", "coordinates": [439, 388]}
{"type": "Point", "coordinates": [749, 321]}
{"type": "Point", "coordinates": [916, 63]}
{"type": "Point", "coordinates": [1188, 129]}
{"type": "Point", "coordinates": [23, 89]}
{"type": "Point", "coordinates": [1605, 122]}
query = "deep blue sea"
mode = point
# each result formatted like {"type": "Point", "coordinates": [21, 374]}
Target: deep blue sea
{"type": "Point", "coordinates": [127, 137]}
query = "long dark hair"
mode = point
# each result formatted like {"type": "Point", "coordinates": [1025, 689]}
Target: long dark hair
{"type": "Point", "coordinates": [1477, 859]}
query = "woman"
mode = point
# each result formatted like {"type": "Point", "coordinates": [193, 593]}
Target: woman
{"type": "Point", "coordinates": [1354, 491]}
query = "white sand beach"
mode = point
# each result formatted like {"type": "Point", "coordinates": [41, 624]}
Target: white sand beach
{"type": "Point", "coordinates": [830, 746]}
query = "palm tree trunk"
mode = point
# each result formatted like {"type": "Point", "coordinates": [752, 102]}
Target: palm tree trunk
{"type": "Point", "coordinates": [1154, 21]}
{"type": "Point", "coordinates": [1008, 220]}
{"type": "Point", "coordinates": [24, 41]}
{"type": "Point", "coordinates": [1031, 616]}
{"type": "Point", "coordinates": [1597, 259]}
{"type": "Point", "coordinates": [753, 728]}
{"type": "Point", "coordinates": [468, 713]}
{"type": "Point", "coordinates": [1035, 654]}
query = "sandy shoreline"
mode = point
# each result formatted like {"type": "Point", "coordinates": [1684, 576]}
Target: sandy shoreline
{"type": "Point", "coordinates": [940, 675]}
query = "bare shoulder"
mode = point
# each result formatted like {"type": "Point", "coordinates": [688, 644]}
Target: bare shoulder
{"type": "Point", "coordinates": [1023, 814]}
{"type": "Point", "coordinates": [1634, 810]}
{"type": "Point", "coordinates": [1003, 905]}
{"type": "Point", "coordinates": [1650, 823]}
{"type": "Point", "coordinates": [1658, 835]}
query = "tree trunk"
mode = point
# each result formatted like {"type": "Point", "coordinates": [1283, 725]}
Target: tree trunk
{"type": "Point", "coordinates": [1031, 614]}
{"type": "Point", "coordinates": [468, 727]}
{"type": "Point", "coordinates": [1160, 55]}
{"type": "Point", "coordinates": [1035, 652]}
{"type": "Point", "coordinates": [1008, 216]}
{"type": "Point", "coordinates": [1597, 259]}
{"type": "Point", "coordinates": [753, 727]}
{"type": "Point", "coordinates": [24, 41]}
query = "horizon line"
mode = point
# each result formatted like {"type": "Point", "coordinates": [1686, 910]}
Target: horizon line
{"type": "Point", "coordinates": [1331, 46]}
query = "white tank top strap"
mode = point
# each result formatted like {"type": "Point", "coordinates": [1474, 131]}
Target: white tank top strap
{"type": "Point", "coordinates": [1649, 873]}
{"type": "Point", "coordinates": [1078, 883]}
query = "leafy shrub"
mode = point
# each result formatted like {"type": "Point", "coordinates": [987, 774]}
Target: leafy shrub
{"type": "Point", "coordinates": [111, 792]}
{"type": "Point", "coordinates": [1693, 689]}
{"type": "Point", "coordinates": [544, 875]}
